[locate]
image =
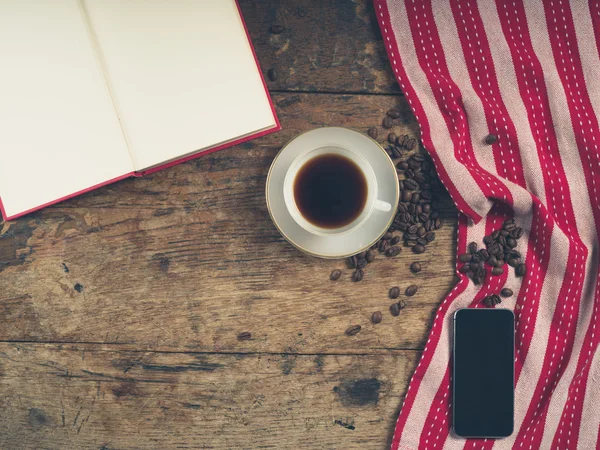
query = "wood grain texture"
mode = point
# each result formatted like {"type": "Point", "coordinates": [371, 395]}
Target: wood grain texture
{"type": "Point", "coordinates": [326, 46]}
{"type": "Point", "coordinates": [188, 258]}
{"type": "Point", "coordinates": [96, 397]}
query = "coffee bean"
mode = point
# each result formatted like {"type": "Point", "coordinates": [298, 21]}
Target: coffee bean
{"type": "Point", "coordinates": [373, 132]}
{"type": "Point", "coordinates": [506, 292]}
{"type": "Point", "coordinates": [434, 215]}
{"type": "Point", "coordinates": [401, 304]}
{"type": "Point", "coordinates": [430, 237]}
{"type": "Point", "coordinates": [393, 113]}
{"type": "Point", "coordinates": [388, 122]}
{"type": "Point", "coordinates": [465, 269]}
{"type": "Point", "coordinates": [414, 198]}
{"type": "Point", "coordinates": [501, 240]}
{"type": "Point", "coordinates": [473, 247]}
{"type": "Point", "coordinates": [335, 275]}
{"type": "Point", "coordinates": [492, 260]}
{"type": "Point", "coordinates": [361, 263]}
{"type": "Point", "coordinates": [426, 208]}
{"type": "Point", "coordinates": [406, 195]}
{"type": "Point", "coordinates": [421, 231]}
{"type": "Point", "coordinates": [383, 246]}
{"type": "Point", "coordinates": [465, 257]}
{"type": "Point", "coordinates": [411, 290]}
{"type": "Point", "coordinates": [392, 138]}
{"type": "Point", "coordinates": [438, 223]}
{"type": "Point", "coordinates": [395, 309]}
{"type": "Point", "coordinates": [513, 262]}
{"type": "Point", "coordinates": [370, 256]}
{"type": "Point", "coordinates": [510, 242]}
{"type": "Point", "coordinates": [394, 292]}
{"type": "Point", "coordinates": [358, 275]}
{"type": "Point", "coordinates": [497, 271]}
{"type": "Point", "coordinates": [272, 74]}
{"type": "Point", "coordinates": [353, 330]}
{"type": "Point", "coordinates": [520, 270]}
{"type": "Point", "coordinates": [491, 139]}
{"type": "Point", "coordinates": [376, 317]}
{"type": "Point", "coordinates": [487, 240]}
{"type": "Point", "coordinates": [411, 144]}
{"type": "Point", "coordinates": [420, 178]}
{"type": "Point", "coordinates": [415, 267]}
{"type": "Point", "coordinates": [515, 254]}
{"type": "Point", "coordinates": [351, 262]}
{"type": "Point", "coordinates": [484, 254]}
{"type": "Point", "coordinates": [402, 165]}
{"type": "Point", "coordinates": [405, 217]}
{"type": "Point", "coordinates": [475, 258]}
{"type": "Point", "coordinates": [393, 251]}
{"type": "Point", "coordinates": [387, 236]}
{"type": "Point", "coordinates": [410, 184]}
{"type": "Point", "coordinates": [476, 279]}
{"type": "Point", "coordinates": [499, 263]}
{"type": "Point", "coordinates": [517, 233]}
{"type": "Point", "coordinates": [402, 207]}
{"type": "Point", "coordinates": [412, 209]}
{"type": "Point", "coordinates": [244, 336]}
{"type": "Point", "coordinates": [395, 240]}
{"type": "Point", "coordinates": [495, 234]}
{"type": "Point", "coordinates": [418, 249]}
{"type": "Point", "coordinates": [413, 229]}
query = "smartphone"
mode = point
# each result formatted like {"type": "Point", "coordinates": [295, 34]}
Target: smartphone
{"type": "Point", "coordinates": [483, 373]}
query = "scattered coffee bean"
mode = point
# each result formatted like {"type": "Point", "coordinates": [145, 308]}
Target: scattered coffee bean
{"type": "Point", "coordinates": [418, 249]}
{"type": "Point", "coordinates": [473, 248]}
{"type": "Point", "coordinates": [395, 309]}
{"type": "Point", "coordinates": [520, 270]}
{"type": "Point", "coordinates": [492, 300]}
{"type": "Point", "coordinates": [394, 292]}
{"type": "Point", "coordinates": [376, 317]}
{"type": "Point", "coordinates": [401, 304]}
{"type": "Point", "coordinates": [383, 246]}
{"type": "Point", "coordinates": [373, 132]}
{"type": "Point", "coordinates": [410, 184]}
{"type": "Point", "coordinates": [370, 256]}
{"type": "Point", "coordinates": [465, 257]}
{"type": "Point", "coordinates": [362, 254]}
{"type": "Point", "coordinates": [272, 74]}
{"type": "Point", "coordinates": [491, 139]}
{"type": "Point", "coordinates": [391, 138]}
{"type": "Point", "coordinates": [244, 336]}
{"type": "Point", "coordinates": [351, 262]}
{"type": "Point", "coordinates": [387, 236]}
{"type": "Point", "coordinates": [411, 290]}
{"type": "Point", "coordinates": [394, 113]}
{"type": "Point", "coordinates": [497, 271]}
{"type": "Point", "coordinates": [402, 165]}
{"type": "Point", "coordinates": [513, 262]}
{"type": "Point", "coordinates": [277, 29]}
{"type": "Point", "coordinates": [415, 267]}
{"type": "Point", "coordinates": [335, 275]}
{"type": "Point", "coordinates": [353, 330]}
{"type": "Point", "coordinates": [361, 263]}
{"type": "Point", "coordinates": [465, 269]}
{"type": "Point", "coordinates": [517, 233]}
{"type": "Point", "coordinates": [395, 240]}
{"type": "Point", "coordinates": [393, 251]}
{"type": "Point", "coordinates": [506, 292]}
{"type": "Point", "coordinates": [388, 122]}
{"type": "Point", "coordinates": [358, 275]}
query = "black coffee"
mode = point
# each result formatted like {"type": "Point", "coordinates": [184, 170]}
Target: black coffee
{"type": "Point", "coordinates": [330, 191]}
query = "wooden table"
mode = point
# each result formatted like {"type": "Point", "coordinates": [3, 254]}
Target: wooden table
{"type": "Point", "coordinates": [120, 309]}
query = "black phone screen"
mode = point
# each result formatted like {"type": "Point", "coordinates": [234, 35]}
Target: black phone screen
{"type": "Point", "coordinates": [483, 373]}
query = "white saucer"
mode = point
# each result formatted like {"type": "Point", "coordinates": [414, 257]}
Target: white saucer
{"type": "Point", "coordinates": [353, 241]}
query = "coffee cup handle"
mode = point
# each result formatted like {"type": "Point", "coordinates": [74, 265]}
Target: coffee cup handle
{"type": "Point", "coordinates": [382, 206]}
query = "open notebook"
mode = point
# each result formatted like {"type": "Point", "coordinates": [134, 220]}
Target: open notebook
{"type": "Point", "coordinates": [93, 91]}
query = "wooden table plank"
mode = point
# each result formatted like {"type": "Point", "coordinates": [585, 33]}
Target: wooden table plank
{"type": "Point", "coordinates": [188, 258]}
{"type": "Point", "coordinates": [327, 46]}
{"type": "Point", "coordinates": [91, 397]}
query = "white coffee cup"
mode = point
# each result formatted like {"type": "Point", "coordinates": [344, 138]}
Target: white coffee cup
{"type": "Point", "coordinates": [372, 204]}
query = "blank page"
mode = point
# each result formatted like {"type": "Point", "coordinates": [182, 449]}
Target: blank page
{"type": "Point", "coordinates": [59, 133]}
{"type": "Point", "coordinates": [181, 72]}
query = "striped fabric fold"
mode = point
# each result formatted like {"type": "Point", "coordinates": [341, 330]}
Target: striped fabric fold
{"type": "Point", "coordinates": [527, 71]}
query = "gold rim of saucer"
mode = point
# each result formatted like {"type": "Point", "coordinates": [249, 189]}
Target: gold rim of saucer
{"type": "Point", "coordinates": [299, 247]}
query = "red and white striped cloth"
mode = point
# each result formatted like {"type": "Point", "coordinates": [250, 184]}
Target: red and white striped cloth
{"type": "Point", "coordinates": [529, 72]}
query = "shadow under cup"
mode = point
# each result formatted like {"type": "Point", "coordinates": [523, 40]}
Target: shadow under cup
{"type": "Point", "coordinates": [331, 190]}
